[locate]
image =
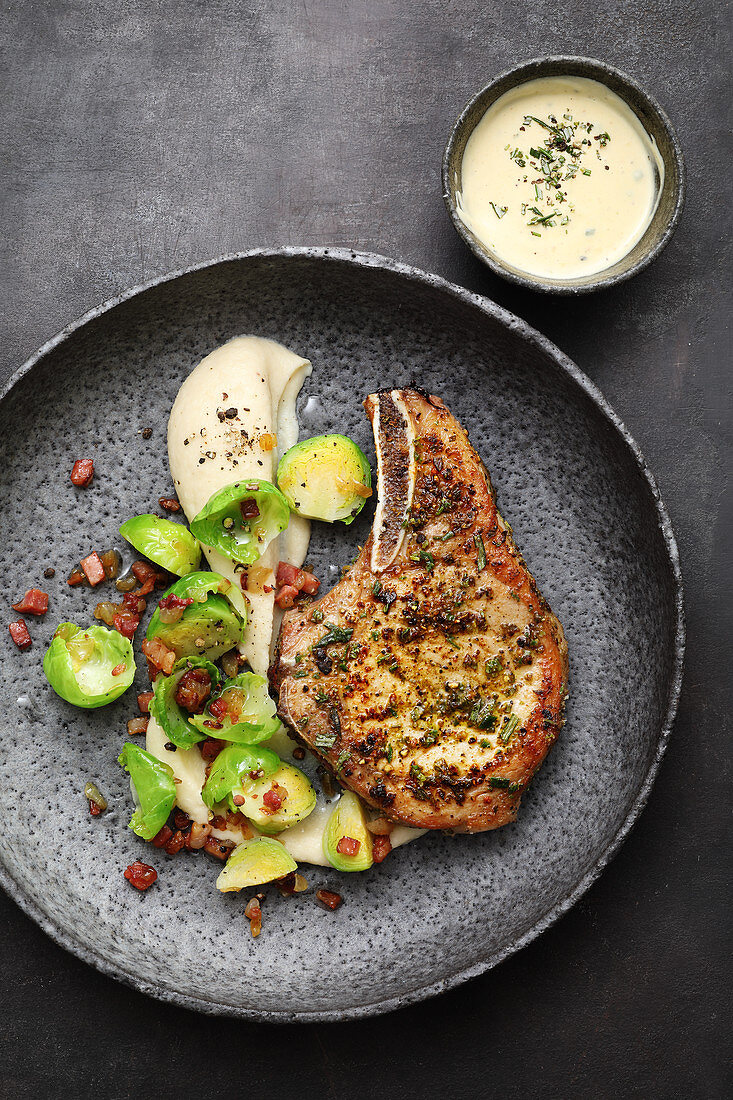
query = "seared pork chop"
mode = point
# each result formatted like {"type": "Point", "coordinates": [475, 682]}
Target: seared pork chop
{"type": "Point", "coordinates": [432, 678]}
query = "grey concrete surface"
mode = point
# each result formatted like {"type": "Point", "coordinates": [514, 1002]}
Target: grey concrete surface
{"type": "Point", "coordinates": [139, 137]}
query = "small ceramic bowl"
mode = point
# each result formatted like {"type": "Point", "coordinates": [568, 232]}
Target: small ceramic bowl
{"type": "Point", "coordinates": [652, 118]}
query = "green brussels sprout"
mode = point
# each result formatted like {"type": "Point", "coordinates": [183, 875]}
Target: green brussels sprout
{"type": "Point", "coordinates": [346, 828]}
{"type": "Point", "coordinates": [173, 719]}
{"type": "Point", "coordinates": [254, 862]}
{"type": "Point", "coordinates": [326, 478]}
{"type": "Point", "coordinates": [278, 800]}
{"type": "Point", "coordinates": [170, 545]}
{"type": "Point", "coordinates": [243, 711]}
{"type": "Point", "coordinates": [242, 519]}
{"type": "Point", "coordinates": [153, 789]}
{"type": "Point", "coordinates": [210, 626]}
{"type": "Point", "coordinates": [91, 667]}
{"type": "Point", "coordinates": [232, 770]}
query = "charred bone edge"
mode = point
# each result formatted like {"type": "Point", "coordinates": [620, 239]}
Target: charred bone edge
{"type": "Point", "coordinates": [394, 441]}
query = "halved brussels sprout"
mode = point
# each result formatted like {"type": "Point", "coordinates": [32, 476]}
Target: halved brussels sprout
{"type": "Point", "coordinates": [211, 625]}
{"type": "Point", "coordinates": [327, 478]}
{"type": "Point", "coordinates": [153, 789]}
{"type": "Point", "coordinates": [254, 862]}
{"type": "Point", "coordinates": [278, 801]}
{"type": "Point", "coordinates": [91, 667]}
{"type": "Point", "coordinates": [242, 519]}
{"type": "Point", "coordinates": [174, 720]}
{"type": "Point", "coordinates": [170, 545]}
{"type": "Point", "coordinates": [232, 770]}
{"type": "Point", "coordinates": [243, 710]}
{"type": "Point", "coordinates": [346, 829]}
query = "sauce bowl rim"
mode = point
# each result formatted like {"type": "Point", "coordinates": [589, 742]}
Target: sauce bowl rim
{"type": "Point", "coordinates": [592, 69]}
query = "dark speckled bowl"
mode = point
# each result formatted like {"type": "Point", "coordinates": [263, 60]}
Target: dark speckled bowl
{"type": "Point", "coordinates": [585, 511]}
{"type": "Point", "coordinates": [652, 118]}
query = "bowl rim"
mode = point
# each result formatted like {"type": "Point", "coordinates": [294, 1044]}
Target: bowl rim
{"type": "Point", "coordinates": [552, 65]}
{"type": "Point", "coordinates": [338, 254]}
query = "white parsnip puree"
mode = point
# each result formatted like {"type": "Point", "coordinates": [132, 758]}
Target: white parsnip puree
{"type": "Point", "coordinates": [559, 178]}
{"type": "Point", "coordinates": [233, 417]}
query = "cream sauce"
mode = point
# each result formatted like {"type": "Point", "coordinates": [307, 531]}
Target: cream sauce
{"type": "Point", "coordinates": [608, 190]}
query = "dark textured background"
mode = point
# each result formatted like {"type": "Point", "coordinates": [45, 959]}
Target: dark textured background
{"type": "Point", "coordinates": [141, 136]}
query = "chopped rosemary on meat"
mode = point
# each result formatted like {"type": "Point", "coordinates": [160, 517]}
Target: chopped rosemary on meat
{"type": "Point", "coordinates": [509, 728]}
{"type": "Point", "coordinates": [481, 558]}
{"type": "Point", "coordinates": [494, 665]}
{"type": "Point", "coordinates": [334, 634]}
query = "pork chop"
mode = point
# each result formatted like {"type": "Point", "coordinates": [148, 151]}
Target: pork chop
{"type": "Point", "coordinates": [432, 679]}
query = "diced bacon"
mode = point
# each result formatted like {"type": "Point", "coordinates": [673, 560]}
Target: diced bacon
{"type": "Point", "coordinates": [211, 748]}
{"type": "Point", "coordinates": [144, 700]}
{"type": "Point", "coordinates": [148, 576]}
{"type": "Point", "coordinates": [291, 582]}
{"type": "Point", "coordinates": [222, 849]}
{"type": "Point", "coordinates": [176, 842]}
{"type": "Point", "coordinates": [310, 584]}
{"type": "Point", "coordinates": [137, 726]}
{"type": "Point", "coordinates": [194, 688]}
{"type": "Point", "coordinates": [125, 623]}
{"type": "Point", "coordinates": [381, 847]}
{"type": "Point", "coordinates": [289, 574]}
{"type": "Point", "coordinates": [82, 473]}
{"type": "Point", "coordinates": [272, 799]}
{"type": "Point", "coordinates": [34, 602]}
{"type": "Point", "coordinates": [171, 608]}
{"type": "Point", "coordinates": [253, 913]}
{"type": "Point", "coordinates": [75, 577]}
{"type": "Point", "coordinates": [143, 570]}
{"type": "Point", "coordinates": [169, 504]}
{"type": "Point", "coordinates": [19, 634]}
{"type": "Point", "coordinates": [134, 603]}
{"type": "Point", "coordinates": [218, 708]}
{"type": "Point", "coordinates": [119, 669]}
{"type": "Point", "coordinates": [168, 603]}
{"type": "Point", "coordinates": [249, 509]}
{"type": "Point", "coordinates": [140, 875]}
{"type": "Point", "coordinates": [161, 839]}
{"type": "Point", "coordinates": [159, 655]}
{"type": "Point", "coordinates": [286, 597]}
{"type": "Point", "coordinates": [348, 846]}
{"type": "Point", "coordinates": [329, 899]}
{"type": "Point", "coordinates": [93, 568]}
{"type": "Point", "coordinates": [94, 809]}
